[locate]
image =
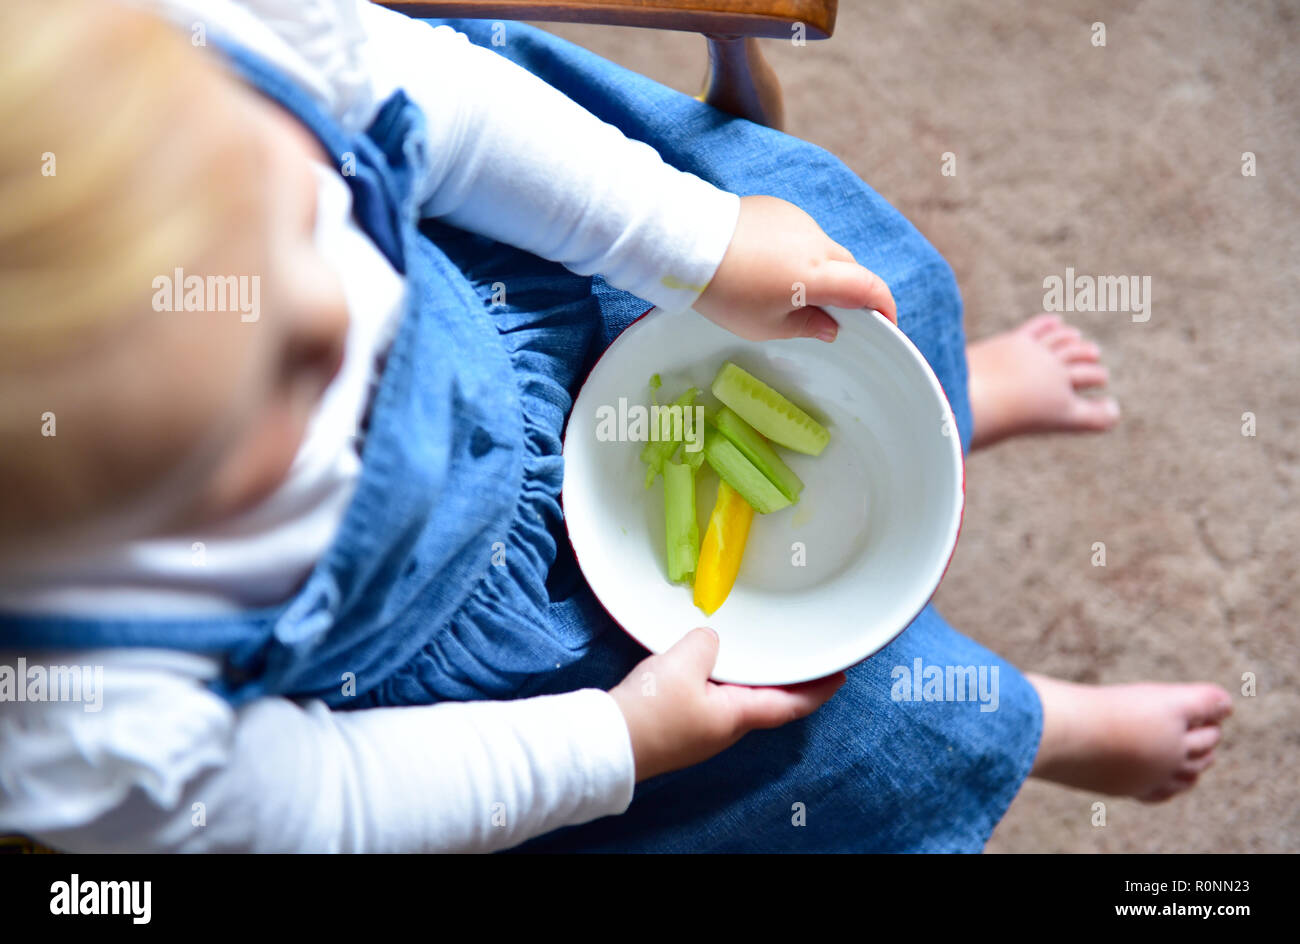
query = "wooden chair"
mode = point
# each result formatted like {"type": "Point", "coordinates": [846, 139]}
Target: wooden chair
{"type": "Point", "coordinates": [739, 80]}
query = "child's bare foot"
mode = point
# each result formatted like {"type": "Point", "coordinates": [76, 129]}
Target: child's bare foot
{"type": "Point", "coordinates": [1149, 741]}
{"type": "Point", "coordinates": [1027, 380]}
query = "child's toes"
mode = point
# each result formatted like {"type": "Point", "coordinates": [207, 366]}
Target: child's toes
{"type": "Point", "coordinates": [1210, 704]}
{"type": "Point", "coordinates": [1079, 352]}
{"type": "Point", "coordinates": [1084, 376]}
{"type": "Point", "coordinates": [1200, 741]}
{"type": "Point", "coordinates": [1059, 337]}
{"type": "Point", "coordinates": [1191, 769]}
{"type": "Point", "coordinates": [1039, 325]}
{"type": "Point", "coordinates": [1094, 414]}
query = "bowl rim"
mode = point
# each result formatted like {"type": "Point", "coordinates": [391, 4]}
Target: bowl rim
{"type": "Point", "coordinates": [933, 380]}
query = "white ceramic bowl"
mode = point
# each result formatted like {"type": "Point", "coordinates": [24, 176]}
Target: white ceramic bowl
{"type": "Point", "coordinates": [876, 524]}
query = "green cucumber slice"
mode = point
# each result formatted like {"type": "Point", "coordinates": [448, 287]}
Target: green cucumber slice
{"type": "Point", "coordinates": [769, 412]}
{"type": "Point", "coordinates": [757, 450]}
{"type": "Point", "coordinates": [740, 474]}
{"type": "Point", "coordinates": [681, 527]}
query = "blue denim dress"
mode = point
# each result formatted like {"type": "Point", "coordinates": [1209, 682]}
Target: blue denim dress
{"type": "Point", "coordinates": [451, 577]}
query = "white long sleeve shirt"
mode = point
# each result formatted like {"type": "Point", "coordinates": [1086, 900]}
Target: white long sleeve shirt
{"type": "Point", "coordinates": [154, 760]}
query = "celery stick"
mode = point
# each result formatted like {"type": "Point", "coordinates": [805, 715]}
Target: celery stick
{"type": "Point", "coordinates": [694, 459]}
{"type": "Point", "coordinates": [654, 455]}
{"type": "Point", "coordinates": [658, 451]}
{"type": "Point", "coordinates": [680, 525]}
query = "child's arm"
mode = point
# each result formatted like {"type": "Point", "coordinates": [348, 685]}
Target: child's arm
{"type": "Point", "coordinates": [515, 159]}
{"type": "Point", "coordinates": [165, 765]}
{"type": "Point", "coordinates": [162, 764]}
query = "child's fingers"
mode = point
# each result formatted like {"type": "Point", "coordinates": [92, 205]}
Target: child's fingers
{"type": "Point", "coordinates": [773, 707]}
{"type": "Point", "coordinates": [840, 253]}
{"type": "Point", "coordinates": [694, 654]}
{"type": "Point", "coordinates": [849, 285]}
{"type": "Point", "coordinates": [809, 323]}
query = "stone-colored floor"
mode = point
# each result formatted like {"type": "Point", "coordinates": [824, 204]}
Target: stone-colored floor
{"type": "Point", "coordinates": [1122, 160]}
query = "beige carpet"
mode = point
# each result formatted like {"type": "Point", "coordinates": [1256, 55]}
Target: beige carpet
{"type": "Point", "coordinates": [1122, 160]}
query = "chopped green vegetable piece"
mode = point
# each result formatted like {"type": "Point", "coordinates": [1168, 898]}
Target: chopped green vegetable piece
{"type": "Point", "coordinates": [740, 474]}
{"type": "Point", "coordinates": [693, 459]}
{"type": "Point", "coordinates": [659, 449]}
{"type": "Point", "coordinates": [768, 411]}
{"type": "Point", "coordinates": [681, 528]}
{"type": "Point", "coordinates": [758, 451]}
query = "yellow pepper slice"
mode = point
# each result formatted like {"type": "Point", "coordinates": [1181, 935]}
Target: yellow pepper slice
{"type": "Point", "coordinates": [722, 549]}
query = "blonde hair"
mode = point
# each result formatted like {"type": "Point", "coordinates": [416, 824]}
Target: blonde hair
{"type": "Point", "coordinates": [97, 173]}
{"type": "Point", "coordinates": [106, 183]}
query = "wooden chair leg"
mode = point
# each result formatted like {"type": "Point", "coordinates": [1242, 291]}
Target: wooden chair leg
{"type": "Point", "coordinates": [740, 81]}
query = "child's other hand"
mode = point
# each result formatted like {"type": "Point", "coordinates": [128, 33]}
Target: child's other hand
{"type": "Point", "coordinates": [677, 717]}
{"type": "Point", "coordinates": [776, 248]}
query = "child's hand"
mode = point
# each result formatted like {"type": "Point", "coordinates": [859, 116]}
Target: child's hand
{"type": "Point", "coordinates": [677, 717]}
{"type": "Point", "coordinates": [777, 247]}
